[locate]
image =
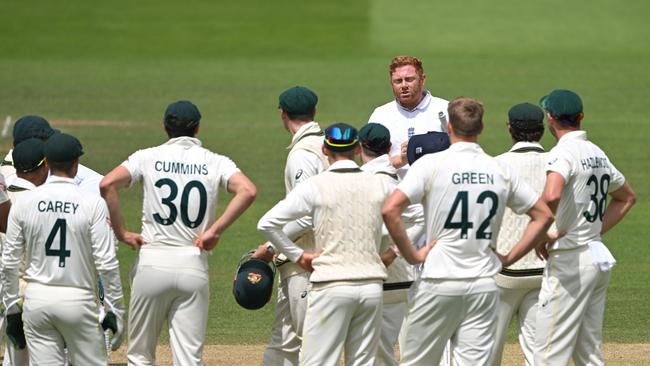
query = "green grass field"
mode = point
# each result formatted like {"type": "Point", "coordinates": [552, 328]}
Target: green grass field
{"type": "Point", "coordinates": [122, 62]}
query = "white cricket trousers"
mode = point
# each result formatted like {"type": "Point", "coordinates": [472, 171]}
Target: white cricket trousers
{"type": "Point", "coordinates": [523, 303]}
{"type": "Point", "coordinates": [342, 317]}
{"type": "Point", "coordinates": [290, 309]}
{"type": "Point", "coordinates": [179, 296]}
{"type": "Point", "coordinates": [56, 315]}
{"type": "Point", "coordinates": [469, 321]}
{"type": "Point", "coordinates": [394, 310]}
{"type": "Point", "coordinates": [570, 311]}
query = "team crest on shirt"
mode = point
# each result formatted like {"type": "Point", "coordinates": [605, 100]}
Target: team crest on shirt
{"type": "Point", "coordinates": [299, 174]}
{"type": "Point", "coordinates": [254, 277]}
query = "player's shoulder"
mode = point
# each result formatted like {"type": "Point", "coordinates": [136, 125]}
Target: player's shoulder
{"type": "Point", "coordinates": [380, 114]}
{"type": "Point", "coordinates": [439, 103]}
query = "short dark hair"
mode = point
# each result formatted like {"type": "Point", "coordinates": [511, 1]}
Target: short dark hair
{"type": "Point", "coordinates": [191, 132]}
{"type": "Point", "coordinates": [350, 154]}
{"type": "Point", "coordinates": [569, 120]}
{"type": "Point", "coordinates": [526, 135]}
{"type": "Point", "coordinates": [65, 166]}
{"type": "Point", "coordinates": [373, 154]}
{"type": "Point", "coordinates": [301, 117]}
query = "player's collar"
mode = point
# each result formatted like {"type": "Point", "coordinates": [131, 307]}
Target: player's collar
{"type": "Point", "coordinates": [58, 179]}
{"type": "Point", "coordinates": [578, 135]}
{"type": "Point", "coordinates": [463, 146]}
{"type": "Point", "coordinates": [20, 184]}
{"type": "Point", "coordinates": [344, 164]}
{"type": "Point", "coordinates": [379, 164]}
{"type": "Point", "coordinates": [424, 103]}
{"type": "Point", "coordinates": [309, 128]}
{"type": "Point", "coordinates": [184, 141]}
{"type": "Point", "coordinates": [525, 146]}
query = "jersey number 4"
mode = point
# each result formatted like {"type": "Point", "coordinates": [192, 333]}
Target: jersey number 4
{"type": "Point", "coordinates": [185, 197]}
{"type": "Point", "coordinates": [464, 224]}
{"type": "Point", "coordinates": [59, 227]}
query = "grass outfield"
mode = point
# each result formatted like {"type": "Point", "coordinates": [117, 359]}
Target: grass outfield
{"type": "Point", "coordinates": [106, 71]}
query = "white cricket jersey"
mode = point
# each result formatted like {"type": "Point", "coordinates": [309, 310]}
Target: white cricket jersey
{"type": "Point", "coordinates": [305, 157]}
{"type": "Point", "coordinates": [429, 115]}
{"type": "Point", "coordinates": [65, 234]}
{"type": "Point", "coordinates": [588, 177]}
{"type": "Point", "coordinates": [86, 178]}
{"type": "Point", "coordinates": [181, 182]}
{"type": "Point", "coordinates": [464, 193]}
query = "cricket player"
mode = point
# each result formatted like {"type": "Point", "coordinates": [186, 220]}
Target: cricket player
{"type": "Point", "coordinates": [38, 127]}
{"type": "Point", "coordinates": [375, 144]}
{"type": "Point", "coordinates": [181, 181]}
{"type": "Point", "coordinates": [464, 192]}
{"type": "Point", "coordinates": [65, 236]}
{"type": "Point", "coordinates": [31, 172]}
{"type": "Point", "coordinates": [579, 179]}
{"type": "Point", "coordinates": [519, 283]}
{"type": "Point", "coordinates": [414, 110]}
{"type": "Point", "coordinates": [306, 159]}
{"type": "Point", "coordinates": [344, 303]}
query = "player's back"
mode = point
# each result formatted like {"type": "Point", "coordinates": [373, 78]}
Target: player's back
{"type": "Point", "coordinates": [181, 181]}
{"type": "Point", "coordinates": [589, 176]}
{"type": "Point", "coordinates": [59, 224]}
{"type": "Point", "coordinates": [466, 194]}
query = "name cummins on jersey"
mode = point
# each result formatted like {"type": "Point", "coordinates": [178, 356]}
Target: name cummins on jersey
{"type": "Point", "coordinates": [181, 182]}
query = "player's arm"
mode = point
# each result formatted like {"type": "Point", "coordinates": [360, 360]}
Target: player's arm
{"type": "Point", "coordinates": [4, 215]}
{"type": "Point", "coordinates": [400, 159]}
{"type": "Point", "coordinates": [117, 179]}
{"type": "Point", "coordinates": [392, 214]}
{"type": "Point", "coordinates": [107, 266]}
{"type": "Point", "coordinates": [296, 204]}
{"type": "Point", "coordinates": [541, 219]}
{"type": "Point", "coordinates": [622, 201]}
{"type": "Point", "coordinates": [553, 190]}
{"type": "Point", "coordinates": [12, 254]}
{"type": "Point", "coordinates": [244, 193]}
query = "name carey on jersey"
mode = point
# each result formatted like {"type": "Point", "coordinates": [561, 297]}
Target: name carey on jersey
{"type": "Point", "coordinates": [57, 206]}
{"type": "Point", "coordinates": [180, 168]}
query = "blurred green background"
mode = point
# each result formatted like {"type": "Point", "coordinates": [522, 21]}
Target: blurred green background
{"type": "Point", "coordinates": [105, 71]}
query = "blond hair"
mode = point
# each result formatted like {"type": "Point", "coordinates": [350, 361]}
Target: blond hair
{"type": "Point", "coordinates": [466, 116]}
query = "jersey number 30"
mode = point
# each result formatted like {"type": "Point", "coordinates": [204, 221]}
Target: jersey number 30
{"type": "Point", "coordinates": [185, 197]}
{"type": "Point", "coordinates": [62, 253]}
{"type": "Point", "coordinates": [464, 224]}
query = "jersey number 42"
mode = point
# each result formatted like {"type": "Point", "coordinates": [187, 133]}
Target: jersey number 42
{"type": "Point", "coordinates": [462, 201]}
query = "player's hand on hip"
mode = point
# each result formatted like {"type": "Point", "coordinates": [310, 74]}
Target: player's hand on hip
{"type": "Point", "coordinates": [134, 240]}
{"type": "Point", "coordinates": [421, 254]}
{"type": "Point", "coordinates": [207, 241]}
{"type": "Point", "coordinates": [305, 260]}
{"type": "Point", "coordinates": [542, 249]}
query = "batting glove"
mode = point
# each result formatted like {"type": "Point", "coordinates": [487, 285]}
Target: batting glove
{"type": "Point", "coordinates": [114, 321]}
{"type": "Point", "coordinates": [15, 331]}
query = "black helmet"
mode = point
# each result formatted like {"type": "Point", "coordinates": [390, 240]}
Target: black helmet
{"type": "Point", "coordinates": [253, 284]}
{"type": "Point", "coordinates": [427, 143]}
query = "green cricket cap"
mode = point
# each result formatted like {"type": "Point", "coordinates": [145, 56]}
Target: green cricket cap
{"type": "Point", "coordinates": [298, 100]}
{"type": "Point", "coordinates": [28, 155]}
{"type": "Point", "coordinates": [341, 137]}
{"type": "Point", "coordinates": [32, 126]}
{"type": "Point", "coordinates": [181, 115]}
{"type": "Point", "coordinates": [62, 147]}
{"type": "Point", "coordinates": [526, 116]}
{"type": "Point", "coordinates": [375, 137]}
{"type": "Point", "coordinates": [562, 102]}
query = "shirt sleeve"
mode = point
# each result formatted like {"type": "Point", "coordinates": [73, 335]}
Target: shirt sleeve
{"type": "Point", "coordinates": [414, 183]}
{"type": "Point", "coordinates": [227, 168]}
{"type": "Point", "coordinates": [298, 203]}
{"type": "Point", "coordinates": [101, 238]}
{"type": "Point", "coordinates": [12, 254]}
{"type": "Point", "coordinates": [557, 162]}
{"type": "Point", "coordinates": [134, 165]}
{"type": "Point", "coordinates": [301, 165]}
{"type": "Point", "coordinates": [521, 197]}
{"type": "Point", "coordinates": [616, 179]}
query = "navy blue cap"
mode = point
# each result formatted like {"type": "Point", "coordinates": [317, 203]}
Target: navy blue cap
{"type": "Point", "coordinates": [428, 143]}
{"type": "Point", "coordinates": [253, 284]}
{"type": "Point", "coordinates": [181, 115]}
{"type": "Point", "coordinates": [32, 126]}
{"type": "Point", "coordinates": [341, 137]}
